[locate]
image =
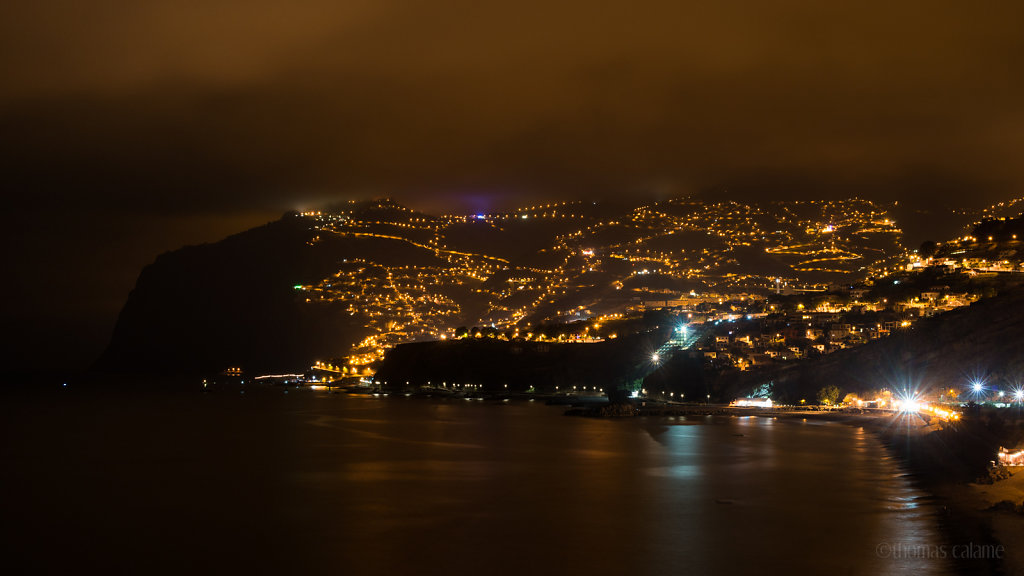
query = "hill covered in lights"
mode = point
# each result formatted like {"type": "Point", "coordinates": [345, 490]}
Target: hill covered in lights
{"type": "Point", "coordinates": [348, 283]}
{"type": "Point", "coordinates": [979, 343]}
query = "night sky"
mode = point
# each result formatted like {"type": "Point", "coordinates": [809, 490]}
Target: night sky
{"type": "Point", "coordinates": [134, 127]}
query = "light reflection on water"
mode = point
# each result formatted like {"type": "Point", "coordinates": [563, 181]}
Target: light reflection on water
{"type": "Point", "coordinates": [708, 495]}
{"type": "Point", "coordinates": [328, 483]}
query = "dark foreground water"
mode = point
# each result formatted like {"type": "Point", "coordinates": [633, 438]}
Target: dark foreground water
{"type": "Point", "coordinates": [309, 482]}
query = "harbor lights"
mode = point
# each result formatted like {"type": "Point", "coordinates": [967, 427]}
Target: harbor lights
{"type": "Point", "coordinates": [978, 388]}
{"type": "Point", "coordinates": [908, 402]}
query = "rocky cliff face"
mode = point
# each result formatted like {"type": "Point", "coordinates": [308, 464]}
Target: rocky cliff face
{"type": "Point", "coordinates": [205, 308]}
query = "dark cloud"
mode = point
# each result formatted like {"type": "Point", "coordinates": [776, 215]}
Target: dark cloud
{"type": "Point", "coordinates": [211, 104]}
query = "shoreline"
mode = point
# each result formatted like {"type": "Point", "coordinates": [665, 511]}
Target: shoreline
{"type": "Point", "coordinates": [964, 513]}
{"type": "Point", "coordinates": [933, 468]}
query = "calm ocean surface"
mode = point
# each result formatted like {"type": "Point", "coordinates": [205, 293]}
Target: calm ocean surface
{"type": "Point", "coordinates": [307, 482]}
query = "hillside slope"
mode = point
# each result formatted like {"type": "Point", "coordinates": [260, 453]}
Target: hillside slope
{"type": "Point", "coordinates": [232, 303]}
{"type": "Point", "coordinates": [977, 342]}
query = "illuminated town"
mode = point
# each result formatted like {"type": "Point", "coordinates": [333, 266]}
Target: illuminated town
{"type": "Point", "coordinates": [791, 280]}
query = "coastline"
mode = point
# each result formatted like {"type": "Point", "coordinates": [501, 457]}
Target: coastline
{"type": "Point", "coordinates": [965, 513]}
{"type": "Point", "coordinates": [937, 467]}
{"type": "Point", "coordinates": [1007, 526]}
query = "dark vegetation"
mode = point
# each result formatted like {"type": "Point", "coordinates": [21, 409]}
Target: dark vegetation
{"type": "Point", "coordinates": [499, 366]}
